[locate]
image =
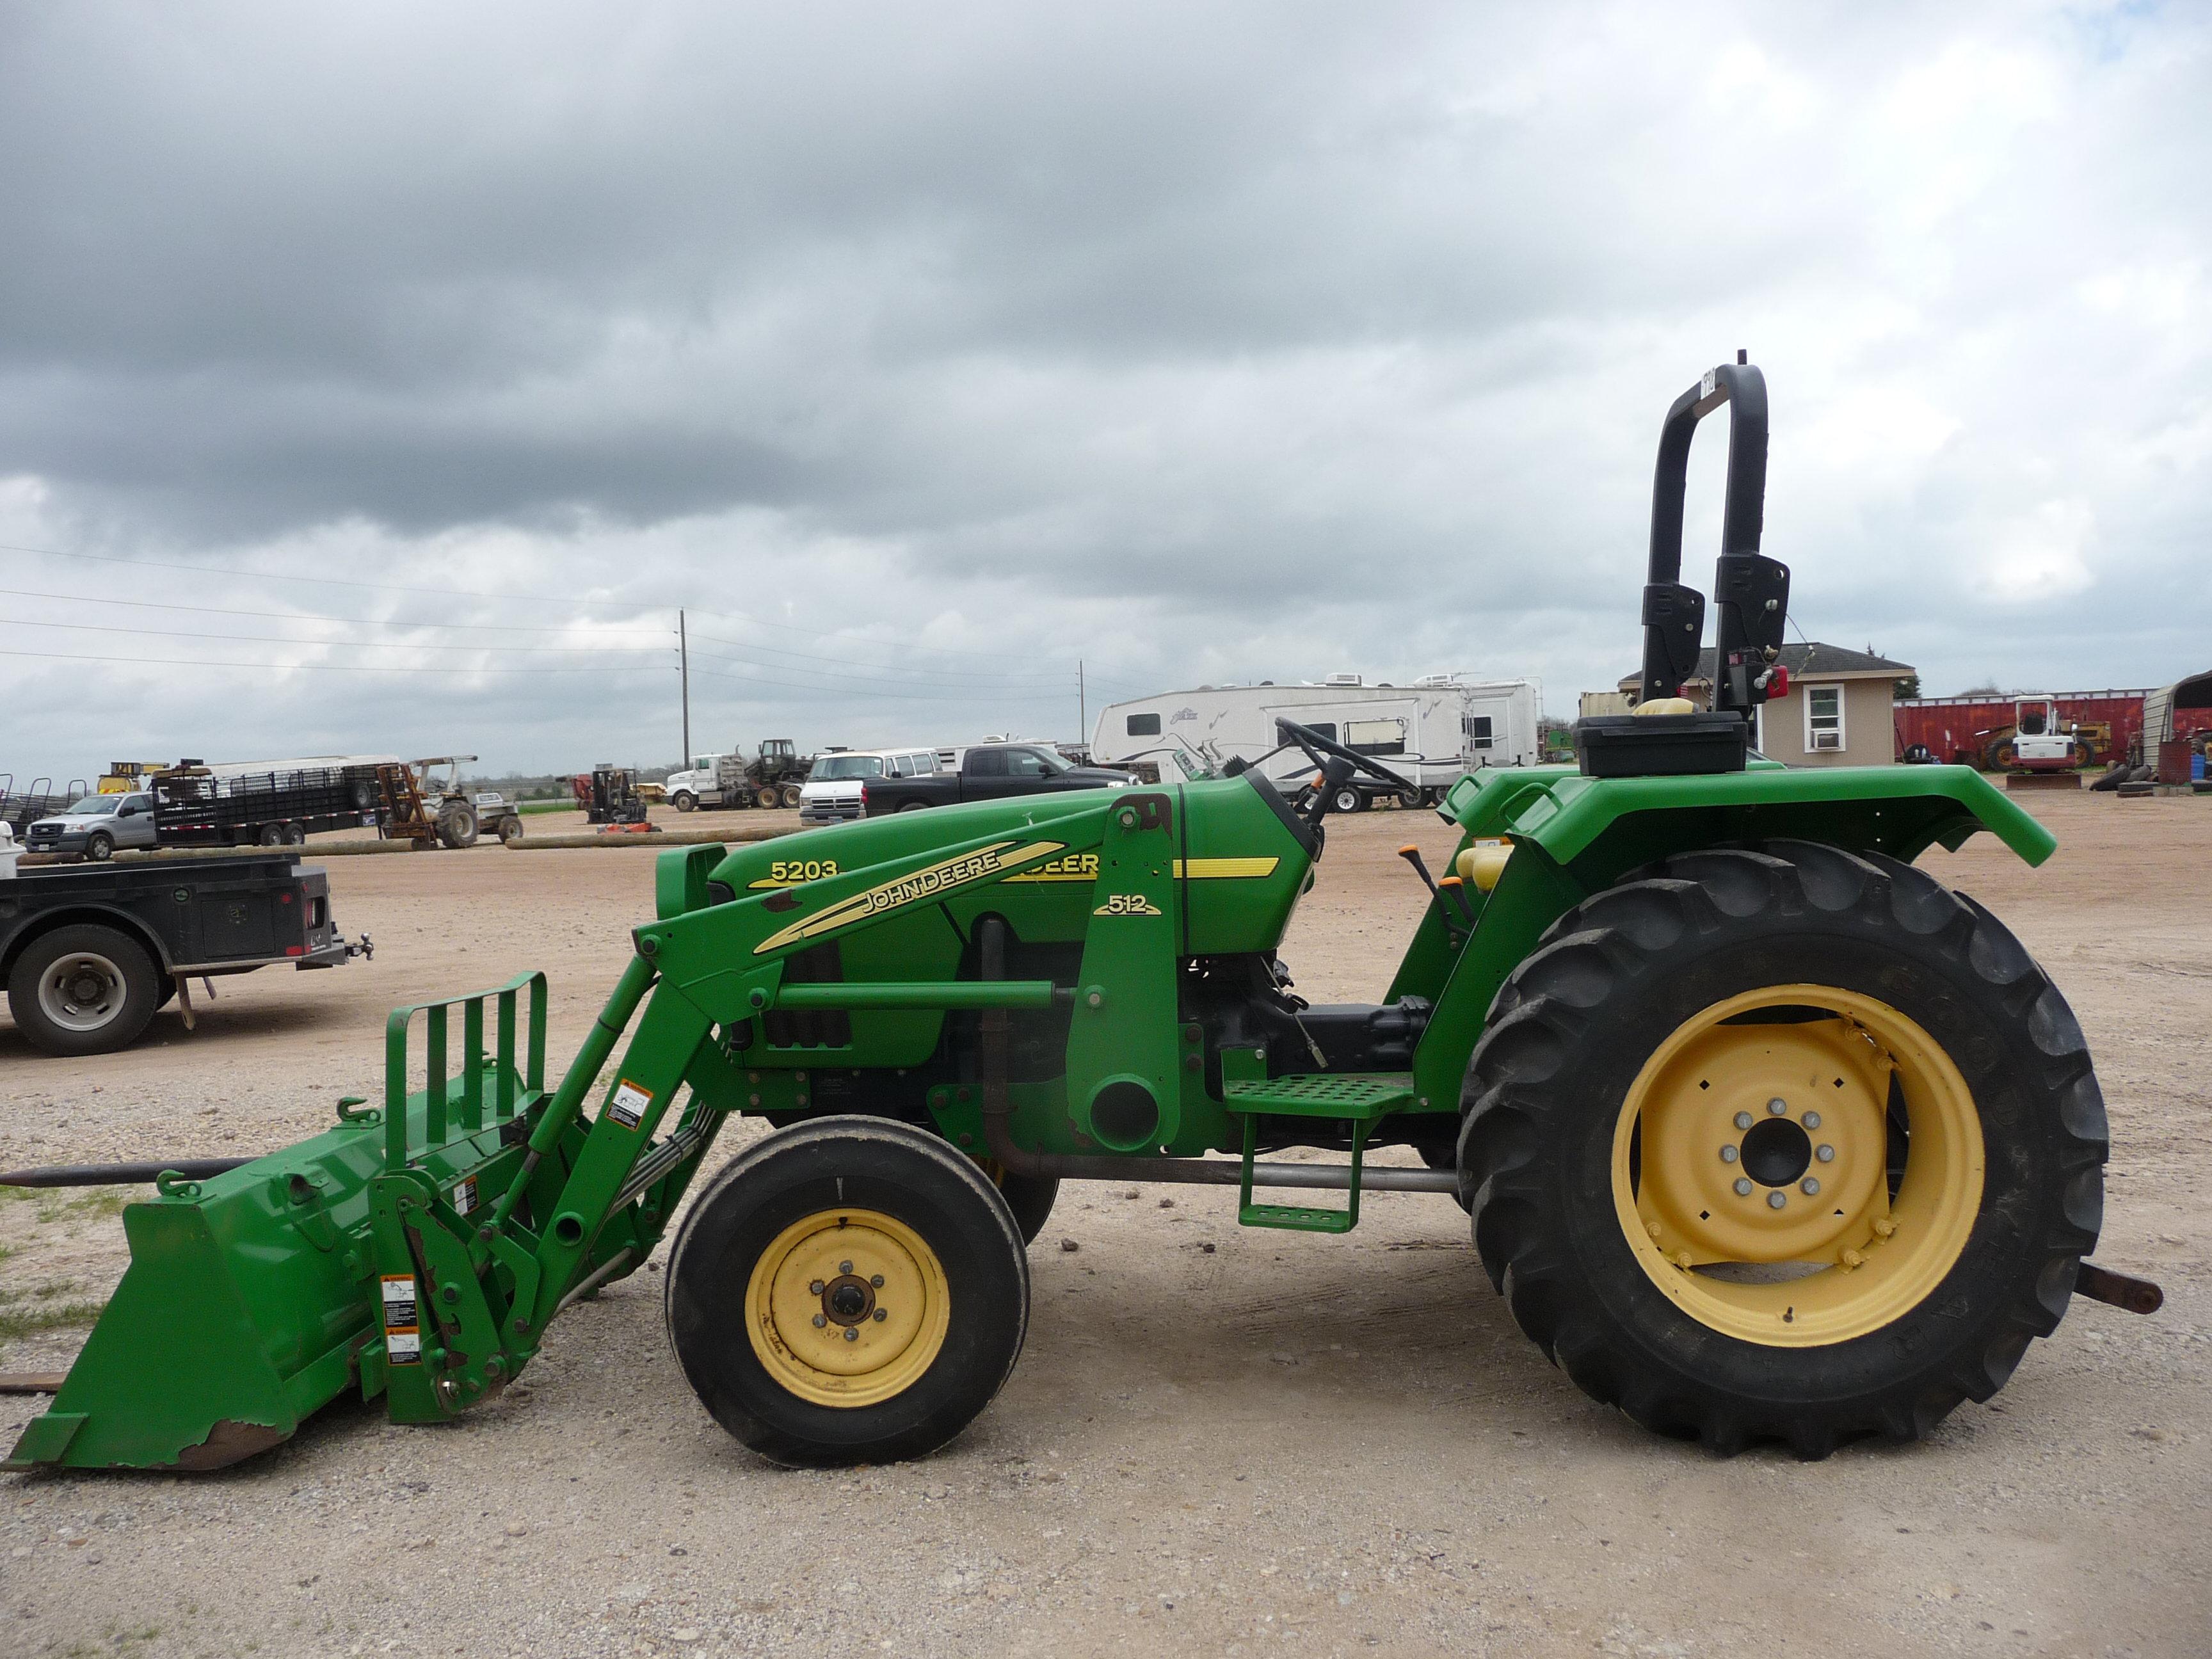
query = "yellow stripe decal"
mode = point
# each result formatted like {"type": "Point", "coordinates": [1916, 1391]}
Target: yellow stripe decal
{"type": "Point", "coordinates": [930, 883]}
{"type": "Point", "coordinates": [1084, 867]}
{"type": "Point", "coordinates": [1226, 869]}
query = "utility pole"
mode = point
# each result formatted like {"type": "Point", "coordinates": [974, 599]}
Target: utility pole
{"type": "Point", "coordinates": [684, 668]}
{"type": "Point", "coordinates": [1082, 707]}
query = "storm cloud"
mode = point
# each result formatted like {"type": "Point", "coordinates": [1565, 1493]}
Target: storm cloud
{"type": "Point", "coordinates": [920, 353]}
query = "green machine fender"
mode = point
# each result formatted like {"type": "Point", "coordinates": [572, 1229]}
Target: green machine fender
{"type": "Point", "coordinates": [1571, 836]}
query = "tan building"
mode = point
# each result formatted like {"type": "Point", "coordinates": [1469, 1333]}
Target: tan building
{"type": "Point", "coordinates": [1838, 711]}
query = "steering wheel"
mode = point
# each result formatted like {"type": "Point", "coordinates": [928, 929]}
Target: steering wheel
{"type": "Point", "coordinates": [1338, 765]}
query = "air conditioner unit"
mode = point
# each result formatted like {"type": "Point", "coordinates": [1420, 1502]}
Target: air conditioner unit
{"type": "Point", "coordinates": [1344, 679]}
{"type": "Point", "coordinates": [1434, 679]}
{"type": "Point", "coordinates": [1832, 740]}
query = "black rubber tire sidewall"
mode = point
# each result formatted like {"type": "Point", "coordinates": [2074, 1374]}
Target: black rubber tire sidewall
{"type": "Point", "coordinates": [100, 848]}
{"type": "Point", "coordinates": [860, 1163]}
{"type": "Point", "coordinates": [1029, 1200]}
{"type": "Point", "coordinates": [1541, 1186]}
{"type": "Point", "coordinates": [141, 987]}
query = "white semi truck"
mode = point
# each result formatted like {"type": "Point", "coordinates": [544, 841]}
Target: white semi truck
{"type": "Point", "coordinates": [1431, 732]}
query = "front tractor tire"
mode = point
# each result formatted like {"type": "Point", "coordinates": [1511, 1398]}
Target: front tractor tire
{"type": "Point", "coordinates": [1783, 1144]}
{"type": "Point", "coordinates": [849, 1290]}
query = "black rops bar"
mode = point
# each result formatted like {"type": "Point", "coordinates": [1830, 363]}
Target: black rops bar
{"type": "Point", "coordinates": [1751, 591]}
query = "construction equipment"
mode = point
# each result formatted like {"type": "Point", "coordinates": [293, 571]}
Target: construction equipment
{"type": "Point", "coordinates": [608, 795]}
{"type": "Point", "coordinates": [425, 802]}
{"type": "Point", "coordinates": [780, 769]}
{"type": "Point", "coordinates": [1765, 1133]}
{"type": "Point", "coordinates": [2038, 738]}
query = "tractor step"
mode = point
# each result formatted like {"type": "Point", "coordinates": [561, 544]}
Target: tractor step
{"type": "Point", "coordinates": [1360, 1097]}
{"type": "Point", "coordinates": [1356, 1098]}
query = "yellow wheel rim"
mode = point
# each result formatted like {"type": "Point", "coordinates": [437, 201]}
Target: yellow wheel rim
{"type": "Point", "coordinates": [1750, 1167]}
{"type": "Point", "coordinates": [847, 1307]}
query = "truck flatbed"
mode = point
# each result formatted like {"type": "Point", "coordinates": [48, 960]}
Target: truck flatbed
{"type": "Point", "coordinates": [89, 952]}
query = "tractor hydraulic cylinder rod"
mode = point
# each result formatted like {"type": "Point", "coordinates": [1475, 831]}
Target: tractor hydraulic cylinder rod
{"type": "Point", "coordinates": [925, 994]}
{"type": "Point", "coordinates": [119, 1175]}
{"type": "Point", "coordinates": [568, 1099]}
{"type": "Point", "coordinates": [598, 1276]}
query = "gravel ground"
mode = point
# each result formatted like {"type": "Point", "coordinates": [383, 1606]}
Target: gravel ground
{"type": "Point", "coordinates": [1219, 1440]}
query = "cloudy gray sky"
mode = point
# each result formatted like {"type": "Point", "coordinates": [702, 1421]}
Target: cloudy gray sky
{"type": "Point", "coordinates": [437, 354]}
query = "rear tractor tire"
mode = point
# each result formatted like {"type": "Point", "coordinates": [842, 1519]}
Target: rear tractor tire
{"type": "Point", "coordinates": [849, 1290]}
{"type": "Point", "coordinates": [789, 794]}
{"type": "Point", "coordinates": [1786, 1143]}
{"type": "Point", "coordinates": [457, 826]}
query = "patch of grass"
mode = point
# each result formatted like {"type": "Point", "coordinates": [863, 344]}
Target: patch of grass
{"type": "Point", "coordinates": [20, 1322]}
{"type": "Point", "coordinates": [106, 1201]}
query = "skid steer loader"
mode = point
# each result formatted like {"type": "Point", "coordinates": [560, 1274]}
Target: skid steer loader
{"type": "Point", "coordinates": [1763, 1133]}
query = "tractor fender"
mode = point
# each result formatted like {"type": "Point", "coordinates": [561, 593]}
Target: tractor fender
{"type": "Point", "coordinates": [1572, 835]}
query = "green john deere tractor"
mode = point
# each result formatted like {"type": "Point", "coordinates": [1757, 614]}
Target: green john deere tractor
{"type": "Point", "coordinates": [1764, 1132]}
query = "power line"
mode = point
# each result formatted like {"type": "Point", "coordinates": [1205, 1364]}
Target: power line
{"type": "Point", "coordinates": [311, 616]}
{"type": "Point", "coordinates": [327, 581]}
{"type": "Point", "coordinates": [1067, 676]}
{"type": "Point", "coordinates": [335, 645]}
{"type": "Point", "coordinates": [306, 667]}
{"type": "Point", "coordinates": [469, 593]}
{"type": "Point", "coordinates": [788, 627]}
{"type": "Point", "coordinates": [893, 695]}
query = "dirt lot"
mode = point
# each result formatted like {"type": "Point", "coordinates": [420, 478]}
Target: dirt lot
{"type": "Point", "coordinates": [1217, 1441]}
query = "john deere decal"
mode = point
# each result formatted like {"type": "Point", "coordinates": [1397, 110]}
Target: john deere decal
{"type": "Point", "coordinates": [933, 882]}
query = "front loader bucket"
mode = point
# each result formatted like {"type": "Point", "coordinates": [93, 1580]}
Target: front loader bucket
{"type": "Point", "coordinates": [252, 1298]}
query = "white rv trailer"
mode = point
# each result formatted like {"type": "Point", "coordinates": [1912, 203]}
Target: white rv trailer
{"type": "Point", "coordinates": [1428, 732]}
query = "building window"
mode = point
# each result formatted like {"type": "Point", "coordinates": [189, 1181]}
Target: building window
{"type": "Point", "coordinates": [1824, 720]}
{"type": "Point", "coordinates": [1477, 728]}
{"type": "Point", "coordinates": [1144, 726]}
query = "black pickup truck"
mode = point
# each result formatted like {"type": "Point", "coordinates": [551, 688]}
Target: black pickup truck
{"type": "Point", "coordinates": [987, 771]}
{"type": "Point", "coordinates": [89, 953]}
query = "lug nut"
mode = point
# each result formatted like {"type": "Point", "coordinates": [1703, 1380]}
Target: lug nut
{"type": "Point", "coordinates": [1727, 1154]}
{"type": "Point", "coordinates": [1812, 1120]}
{"type": "Point", "coordinates": [1809, 1187]}
{"type": "Point", "coordinates": [1776, 1200]}
{"type": "Point", "coordinates": [816, 1287]}
{"type": "Point", "coordinates": [1742, 1186]}
{"type": "Point", "coordinates": [876, 1280]}
{"type": "Point", "coordinates": [819, 1321]}
{"type": "Point", "coordinates": [852, 1335]}
{"type": "Point", "coordinates": [1825, 1154]}
{"type": "Point", "coordinates": [881, 1316]}
{"type": "Point", "coordinates": [844, 1266]}
{"type": "Point", "coordinates": [1743, 1120]}
{"type": "Point", "coordinates": [1776, 1107]}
